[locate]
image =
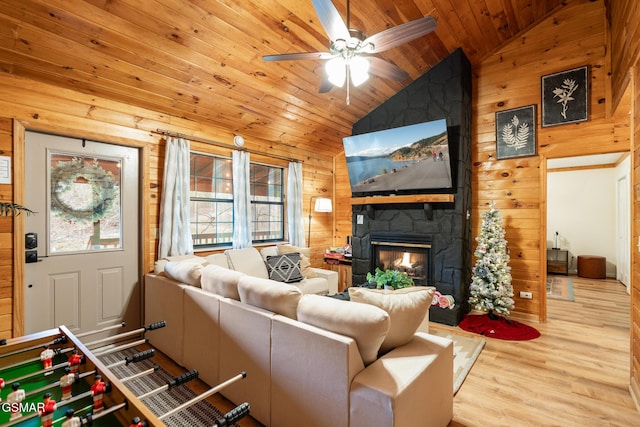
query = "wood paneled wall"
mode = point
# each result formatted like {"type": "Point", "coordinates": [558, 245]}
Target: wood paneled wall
{"type": "Point", "coordinates": [574, 36]}
{"type": "Point", "coordinates": [45, 108]}
{"type": "Point", "coordinates": [635, 231]}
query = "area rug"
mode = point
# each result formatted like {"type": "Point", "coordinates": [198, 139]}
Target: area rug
{"type": "Point", "coordinates": [465, 353]}
{"type": "Point", "coordinates": [500, 328]}
{"type": "Point", "coordinates": [560, 287]}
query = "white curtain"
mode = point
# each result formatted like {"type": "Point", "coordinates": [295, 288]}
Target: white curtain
{"type": "Point", "coordinates": [241, 200]}
{"type": "Point", "coordinates": [175, 230]}
{"type": "Point", "coordinates": [295, 220]}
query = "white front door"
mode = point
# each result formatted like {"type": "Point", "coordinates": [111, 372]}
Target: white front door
{"type": "Point", "coordinates": [84, 269]}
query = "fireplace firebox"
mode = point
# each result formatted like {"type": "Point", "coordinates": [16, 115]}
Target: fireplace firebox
{"type": "Point", "coordinates": [409, 253]}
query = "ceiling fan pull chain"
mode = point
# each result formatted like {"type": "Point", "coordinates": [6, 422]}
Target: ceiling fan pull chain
{"type": "Point", "coordinates": [348, 85]}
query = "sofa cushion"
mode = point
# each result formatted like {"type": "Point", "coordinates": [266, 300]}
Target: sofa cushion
{"type": "Point", "coordinates": [284, 268]}
{"type": "Point", "coordinates": [407, 307]}
{"type": "Point", "coordinates": [366, 324]}
{"type": "Point", "coordinates": [187, 272]}
{"type": "Point", "coordinates": [221, 281]}
{"type": "Point", "coordinates": [277, 297]}
{"type": "Point", "coordinates": [217, 259]}
{"type": "Point", "coordinates": [159, 264]}
{"type": "Point", "coordinates": [247, 261]}
{"type": "Point", "coordinates": [305, 256]}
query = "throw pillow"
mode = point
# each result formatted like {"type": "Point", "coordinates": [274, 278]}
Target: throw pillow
{"type": "Point", "coordinates": [185, 272]}
{"type": "Point", "coordinates": [277, 297]}
{"type": "Point", "coordinates": [407, 308]}
{"type": "Point", "coordinates": [305, 255]}
{"type": "Point", "coordinates": [221, 281]}
{"type": "Point", "coordinates": [284, 268]}
{"type": "Point", "coordinates": [366, 324]}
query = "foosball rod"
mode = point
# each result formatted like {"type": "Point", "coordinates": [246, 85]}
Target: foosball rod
{"type": "Point", "coordinates": [140, 374]}
{"type": "Point", "coordinates": [90, 418]}
{"type": "Point", "coordinates": [36, 373]}
{"type": "Point", "coordinates": [55, 384]}
{"type": "Point", "coordinates": [105, 329]}
{"type": "Point", "coordinates": [87, 408]}
{"type": "Point", "coordinates": [60, 340]}
{"type": "Point", "coordinates": [203, 396]}
{"type": "Point", "coordinates": [119, 348]}
{"type": "Point", "coordinates": [36, 359]}
{"type": "Point", "coordinates": [150, 327]}
{"type": "Point", "coordinates": [174, 382]}
{"type": "Point", "coordinates": [233, 415]}
{"type": "Point", "coordinates": [134, 358]}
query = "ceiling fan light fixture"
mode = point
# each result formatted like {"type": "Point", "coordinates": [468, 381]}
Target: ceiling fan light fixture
{"type": "Point", "coordinates": [359, 70]}
{"type": "Point", "coordinates": [336, 71]}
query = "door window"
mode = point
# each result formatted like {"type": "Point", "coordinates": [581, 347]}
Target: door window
{"type": "Point", "coordinates": [84, 212]}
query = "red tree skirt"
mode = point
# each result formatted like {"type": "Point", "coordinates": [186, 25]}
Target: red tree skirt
{"type": "Point", "coordinates": [500, 328]}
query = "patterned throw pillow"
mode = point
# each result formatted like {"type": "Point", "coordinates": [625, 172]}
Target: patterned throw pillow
{"type": "Point", "coordinates": [285, 268]}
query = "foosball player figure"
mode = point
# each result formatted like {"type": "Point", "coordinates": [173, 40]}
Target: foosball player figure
{"type": "Point", "coordinates": [47, 358]}
{"type": "Point", "coordinates": [1, 386]}
{"type": "Point", "coordinates": [136, 422]}
{"type": "Point", "coordinates": [97, 390]}
{"type": "Point", "coordinates": [74, 361]}
{"type": "Point", "coordinates": [13, 399]}
{"type": "Point", "coordinates": [71, 420]}
{"type": "Point", "coordinates": [46, 413]}
{"type": "Point", "coordinates": [66, 382]}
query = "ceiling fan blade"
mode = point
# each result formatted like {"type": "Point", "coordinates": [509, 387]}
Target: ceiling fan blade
{"type": "Point", "coordinates": [395, 36]}
{"type": "Point", "coordinates": [381, 68]}
{"type": "Point", "coordinates": [331, 20]}
{"type": "Point", "coordinates": [298, 56]}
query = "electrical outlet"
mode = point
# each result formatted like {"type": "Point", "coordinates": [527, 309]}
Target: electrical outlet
{"type": "Point", "coordinates": [359, 219]}
{"type": "Point", "coordinates": [526, 295]}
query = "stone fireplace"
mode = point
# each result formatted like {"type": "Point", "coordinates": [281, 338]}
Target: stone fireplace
{"type": "Point", "coordinates": [444, 91]}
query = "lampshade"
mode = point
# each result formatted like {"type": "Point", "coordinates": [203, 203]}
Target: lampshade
{"type": "Point", "coordinates": [359, 70]}
{"type": "Point", "coordinates": [323, 204]}
{"type": "Point", "coordinates": [336, 71]}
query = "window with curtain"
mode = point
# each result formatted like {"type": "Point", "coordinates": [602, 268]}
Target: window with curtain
{"type": "Point", "coordinates": [212, 201]}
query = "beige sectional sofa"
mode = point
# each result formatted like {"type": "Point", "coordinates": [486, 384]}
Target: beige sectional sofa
{"type": "Point", "coordinates": [310, 360]}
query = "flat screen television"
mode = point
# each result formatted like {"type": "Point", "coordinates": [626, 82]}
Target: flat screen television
{"type": "Point", "coordinates": [405, 160]}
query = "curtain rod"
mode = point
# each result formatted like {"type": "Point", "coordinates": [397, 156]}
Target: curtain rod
{"type": "Point", "coordinates": [223, 145]}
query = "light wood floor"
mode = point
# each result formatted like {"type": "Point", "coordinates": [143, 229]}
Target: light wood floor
{"type": "Point", "coordinates": [575, 374]}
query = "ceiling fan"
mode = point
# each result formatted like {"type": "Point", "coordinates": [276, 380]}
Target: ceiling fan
{"type": "Point", "coordinates": [350, 52]}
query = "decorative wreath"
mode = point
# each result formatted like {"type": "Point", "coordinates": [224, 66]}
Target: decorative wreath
{"type": "Point", "coordinates": [103, 190]}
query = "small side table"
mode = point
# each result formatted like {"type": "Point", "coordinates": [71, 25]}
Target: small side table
{"type": "Point", "coordinates": [558, 261]}
{"type": "Point", "coordinates": [343, 267]}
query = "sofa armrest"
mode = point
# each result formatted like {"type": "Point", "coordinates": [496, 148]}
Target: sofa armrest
{"type": "Point", "coordinates": [331, 277]}
{"type": "Point", "coordinates": [411, 385]}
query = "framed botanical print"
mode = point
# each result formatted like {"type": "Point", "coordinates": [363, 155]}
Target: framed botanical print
{"type": "Point", "coordinates": [516, 132]}
{"type": "Point", "coordinates": [565, 97]}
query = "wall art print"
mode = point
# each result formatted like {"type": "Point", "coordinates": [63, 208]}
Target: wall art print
{"type": "Point", "coordinates": [565, 97]}
{"type": "Point", "coordinates": [516, 132]}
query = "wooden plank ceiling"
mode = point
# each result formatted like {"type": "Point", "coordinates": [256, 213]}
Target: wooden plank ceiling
{"type": "Point", "coordinates": [202, 59]}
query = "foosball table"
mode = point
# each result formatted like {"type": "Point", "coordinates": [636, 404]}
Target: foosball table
{"type": "Point", "coordinates": [55, 378]}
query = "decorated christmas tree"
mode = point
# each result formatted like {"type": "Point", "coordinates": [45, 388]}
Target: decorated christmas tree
{"type": "Point", "coordinates": [491, 289]}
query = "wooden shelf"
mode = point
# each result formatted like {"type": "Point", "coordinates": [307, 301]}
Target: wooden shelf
{"type": "Point", "coordinates": [414, 198]}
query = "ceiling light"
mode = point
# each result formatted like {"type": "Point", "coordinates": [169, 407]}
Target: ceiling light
{"type": "Point", "coordinates": [336, 71]}
{"type": "Point", "coordinates": [359, 70]}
